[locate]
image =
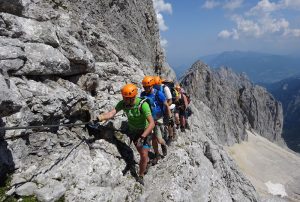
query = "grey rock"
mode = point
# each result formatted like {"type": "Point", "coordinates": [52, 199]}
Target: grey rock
{"type": "Point", "coordinates": [26, 189]}
{"type": "Point", "coordinates": [11, 65]}
{"type": "Point", "coordinates": [80, 57]}
{"type": "Point", "coordinates": [14, 6]}
{"type": "Point", "coordinates": [235, 102]}
{"type": "Point", "coordinates": [89, 82]}
{"type": "Point", "coordinates": [9, 100]}
{"type": "Point", "coordinates": [29, 30]}
{"type": "Point", "coordinates": [101, 46]}
{"type": "Point", "coordinates": [39, 61]}
{"type": "Point", "coordinates": [11, 52]}
{"type": "Point", "coordinates": [264, 113]}
{"type": "Point", "coordinates": [53, 191]}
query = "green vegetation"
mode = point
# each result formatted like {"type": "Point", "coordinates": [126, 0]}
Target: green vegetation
{"type": "Point", "coordinates": [4, 188]}
{"type": "Point", "coordinates": [4, 198]}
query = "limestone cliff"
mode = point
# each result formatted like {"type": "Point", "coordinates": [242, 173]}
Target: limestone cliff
{"type": "Point", "coordinates": [65, 61]}
{"type": "Point", "coordinates": [236, 103]}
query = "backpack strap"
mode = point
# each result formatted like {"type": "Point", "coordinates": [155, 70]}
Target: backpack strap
{"type": "Point", "coordinates": [143, 100]}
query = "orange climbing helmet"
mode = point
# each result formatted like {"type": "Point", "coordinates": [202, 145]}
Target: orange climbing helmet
{"type": "Point", "coordinates": [129, 90]}
{"type": "Point", "coordinates": [148, 81]}
{"type": "Point", "coordinates": [157, 80]}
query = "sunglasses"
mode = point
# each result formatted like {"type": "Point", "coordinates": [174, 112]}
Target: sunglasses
{"type": "Point", "coordinates": [129, 98]}
{"type": "Point", "coordinates": [147, 87]}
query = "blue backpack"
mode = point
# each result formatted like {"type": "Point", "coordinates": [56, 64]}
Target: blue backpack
{"type": "Point", "coordinates": [156, 105]}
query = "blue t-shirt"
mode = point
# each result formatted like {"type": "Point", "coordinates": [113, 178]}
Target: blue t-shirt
{"type": "Point", "coordinates": [157, 99]}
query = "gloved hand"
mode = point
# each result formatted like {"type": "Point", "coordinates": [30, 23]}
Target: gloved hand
{"type": "Point", "coordinates": [140, 142]}
{"type": "Point", "coordinates": [171, 122]}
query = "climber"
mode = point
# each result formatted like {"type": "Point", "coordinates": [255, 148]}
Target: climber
{"type": "Point", "coordinates": [166, 90]}
{"type": "Point", "coordinates": [140, 122]}
{"type": "Point", "coordinates": [159, 108]}
{"type": "Point", "coordinates": [181, 103]}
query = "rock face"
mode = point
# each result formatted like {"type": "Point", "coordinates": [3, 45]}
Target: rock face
{"type": "Point", "coordinates": [287, 92]}
{"type": "Point", "coordinates": [235, 102]}
{"type": "Point", "coordinates": [65, 62]}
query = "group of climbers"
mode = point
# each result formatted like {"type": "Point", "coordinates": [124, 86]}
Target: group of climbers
{"type": "Point", "coordinates": [150, 117]}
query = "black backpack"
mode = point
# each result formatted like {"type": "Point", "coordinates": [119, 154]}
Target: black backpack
{"type": "Point", "coordinates": [171, 86]}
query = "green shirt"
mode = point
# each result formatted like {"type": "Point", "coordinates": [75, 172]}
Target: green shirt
{"type": "Point", "coordinates": [137, 118]}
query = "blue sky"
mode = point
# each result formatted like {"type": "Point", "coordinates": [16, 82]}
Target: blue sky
{"type": "Point", "coordinates": [193, 28]}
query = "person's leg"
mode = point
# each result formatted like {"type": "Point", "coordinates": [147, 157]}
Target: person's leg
{"type": "Point", "coordinates": [158, 139]}
{"type": "Point", "coordinates": [182, 120]}
{"type": "Point", "coordinates": [155, 145]}
{"type": "Point", "coordinates": [143, 160]}
{"type": "Point", "coordinates": [169, 127]}
{"type": "Point", "coordinates": [143, 163]}
{"type": "Point", "coordinates": [177, 120]}
{"type": "Point", "coordinates": [154, 140]}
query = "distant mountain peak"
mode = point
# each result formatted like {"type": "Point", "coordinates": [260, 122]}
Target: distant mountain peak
{"type": "Point", "coordinates": [260, 67]}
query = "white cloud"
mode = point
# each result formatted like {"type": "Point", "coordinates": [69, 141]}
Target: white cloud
{"type": "Point", "coordinates": [210, 4]}
{"type": "Point", "coordinates": [233, 4]}
{"type": "Point", "coordinates": [259, 21]}
{"type": "Point", "coordinates": [163, 43]}
{"type": "Point", "coordinates": [247, 27]}
{"type": "Point", "coordinates": [160, 6]}
{"type": "Point", "coordinates": [228, 4]}
{"type": "Point", "coordinates": [225, 34]}
{"type": "Point", "coordinates": [161, 22]}
{"type": "Point", "coordinates": [292, 32]}
{"type": "Point", "coordinates": [292, 4]}
{"type": "Point", "coordinates": [272, 25]}
{"type": "Point", "coordinates": [264, 6]}
{"type": "Point", "coordinates": [259, 28]}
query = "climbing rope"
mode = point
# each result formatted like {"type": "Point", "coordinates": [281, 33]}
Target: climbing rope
{"type": "Point", "coordinates": [42, 126]}
{"type": "Point", "coordinates": [92, 124]}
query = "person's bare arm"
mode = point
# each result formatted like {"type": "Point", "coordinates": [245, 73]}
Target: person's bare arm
{"type": "Point", "coordinates": [185, 101]}
{"type": "Point", "coordinates": [168, 109]}
{"type": "Point", "coordinates": [150, 127]}
{"type": "Point", "coordinates": [107, 115]}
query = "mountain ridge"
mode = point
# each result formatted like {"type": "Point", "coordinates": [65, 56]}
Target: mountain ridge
{"type": "Point", "coordinates": [287, 92]}
{"type": "Point", "coordinates": [97, 47]}
{"type": "Point", "coordinates": [259, 67]}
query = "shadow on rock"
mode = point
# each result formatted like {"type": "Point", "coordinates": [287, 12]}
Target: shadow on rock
{"type": "Point", "coordinates": [108, 133]}
{"type": "Point", "coordinates": [7, 164]}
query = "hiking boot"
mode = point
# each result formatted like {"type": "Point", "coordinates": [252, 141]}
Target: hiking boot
{"type": "Point", "coordinates": [155, 160]}
{"type": "Point", "coordinates": [187, 126]}
{"type": "Point", "coordinates": [140, 179]}
{"type": "Point", "coordinates": [164, 150]}
{"type": "Point", "coordinates": [182, 129]}
{"type": "Point", "coordinates": [177, 126]}
{"type": "Point", "coordinates": [147, 168]}
{"type": "Point", "coordinates": [170, 139]}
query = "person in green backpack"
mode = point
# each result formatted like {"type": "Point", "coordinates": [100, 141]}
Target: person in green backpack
{"type": "Point", "coordinates": [140, 123]}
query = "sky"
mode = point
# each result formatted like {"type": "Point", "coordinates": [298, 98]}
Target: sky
{"type": "Point", "coordinates": [190, 29]}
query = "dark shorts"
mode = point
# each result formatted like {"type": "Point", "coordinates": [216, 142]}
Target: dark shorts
{"type": "Point", "coordinates": [180, 111]}
{"type": "Point", "coordinates": [135, 135]}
